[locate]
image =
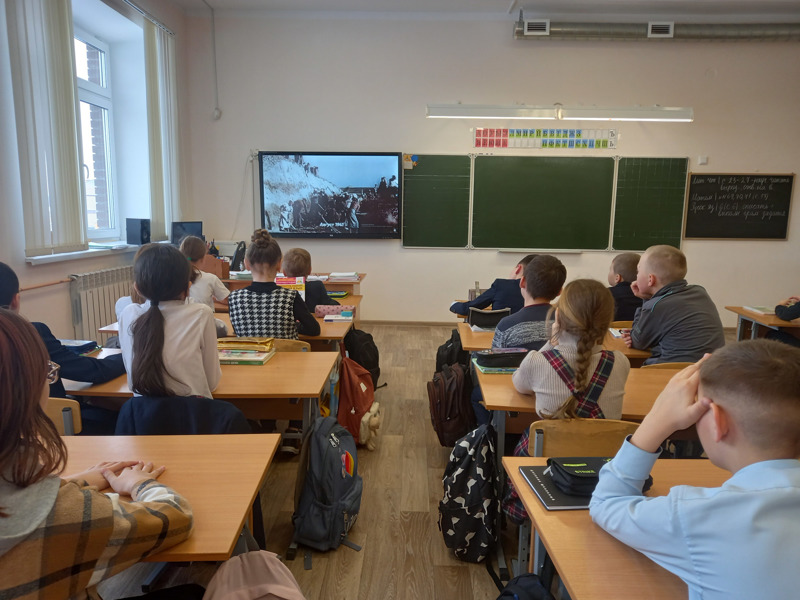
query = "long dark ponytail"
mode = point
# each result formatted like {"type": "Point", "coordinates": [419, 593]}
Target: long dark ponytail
{"type": "Point", "coordinates": [161, 273]}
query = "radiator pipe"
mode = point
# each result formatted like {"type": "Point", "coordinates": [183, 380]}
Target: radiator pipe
{"type": "Point", "coordinates": [682, 31]}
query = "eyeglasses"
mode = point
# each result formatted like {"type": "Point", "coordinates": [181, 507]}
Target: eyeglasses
{"type": "Point", "coordinates": [52, 371]}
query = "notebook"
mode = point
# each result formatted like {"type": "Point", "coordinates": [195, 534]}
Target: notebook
{"type": "Point", "coordinates": [552, 498]}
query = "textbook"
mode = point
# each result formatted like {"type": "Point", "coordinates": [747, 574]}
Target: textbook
{"type": "Point", "coordinates": [762, 310]}
{"type": "Point", "coordinates": [79, 346]}
{"type": "Point", "coordinates": [317, 278]}
{"type": "Point", "coordinates": [336, 293]}
{"type": "Point", "coordinates": [253, 344]}
{"type": "Point", "coordinates": [247, 275]}
{"type": "Point", "coordinates": [347, 276]}
{"type": "Point", "coordinates": [337, 318]}
{"type": "Point", "coordinates": [553, 499]}
{"type": "Point", "coordinates": [293, 283]}
{"type": "Point", "coordinates": [244, 357]}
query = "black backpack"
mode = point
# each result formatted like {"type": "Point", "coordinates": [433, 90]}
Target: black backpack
{"type": "Point", "coordinates": [449, 399]}
{"type": "Point", "coordinates": [525, 587]}
{"type": "Point", "coordinates": [361, 348]}
{"type": "Point", "coordinates": [328, 489]}
{"type": "Point", "coordinates": [468, 511]}
{"type": "Point", "coordinates": [451, 352]}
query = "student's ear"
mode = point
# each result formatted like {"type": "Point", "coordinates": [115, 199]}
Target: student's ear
{"type": "Point", "coordinates": [517, 271]}
{"type": "Point", "coordinates": [280, 262]}
{"type": "Point", "coordinates": [720, 422]}
{"type": "Point", "coordinates": [522, 284]}
{"type": "Point", "coordinates": [652, 280]}
{"type": "Point", "coordinates": [617, 278]}
{"type": "Point", "coordinates": [14, 305]}
{"type": "Point", "coordinates": [247, 265]}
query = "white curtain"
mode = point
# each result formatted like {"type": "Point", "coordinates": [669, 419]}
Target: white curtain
{"type": "Point", "coordinates": [46, 108]}
{"type": "Point", "coordinates": [162, 129]}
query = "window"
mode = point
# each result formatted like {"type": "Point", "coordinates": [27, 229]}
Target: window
{"type": "Point", "coordinates": [96, 135]}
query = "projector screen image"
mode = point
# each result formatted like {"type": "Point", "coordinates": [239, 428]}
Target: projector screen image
{"type": "Point", "coordinates": [330, 194]}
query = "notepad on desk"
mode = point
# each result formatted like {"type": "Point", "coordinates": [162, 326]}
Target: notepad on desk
{"type": "Point", "coordinates": [761, 310]}
{"type": "Point", "coordinates": [553, 499]}
{"type": "Point", "coordinates": [338, 318]}
{"type": "Point", "coordinates": [244, 357]}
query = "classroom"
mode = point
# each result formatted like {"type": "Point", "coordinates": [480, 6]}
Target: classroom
{"type": "Point", "coordinates": [339, 75]}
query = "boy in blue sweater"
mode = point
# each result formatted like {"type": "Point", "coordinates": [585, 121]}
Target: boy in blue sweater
{"type": "Point", "coordinates": [504, 293]}
{"type": "Point", "coordinates": [739, 540]}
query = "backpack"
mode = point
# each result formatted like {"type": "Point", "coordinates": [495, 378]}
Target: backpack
{"type": "Point", "coordinates": [451, 352]}
{"type": "Point", "coordinates": [328, 490]}
{"type": "Point", "coordinates": [362, 349]}
{"type": "Point", "coordinates": [525, 587]}
{"type": "Point", "coordinates": [255, 575]}
{"type": "Point", "coordinates": [356, 395]}
{"type": "Point", "coordinates": [449, 398]}
{"type": "Point", "coordinates": [469, 509]}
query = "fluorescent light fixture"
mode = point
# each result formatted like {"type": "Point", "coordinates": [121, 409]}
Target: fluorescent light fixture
{"type": "Point", "coordinates": [632, 113]}
{"type": "Point", "coordinates": [480, 111]}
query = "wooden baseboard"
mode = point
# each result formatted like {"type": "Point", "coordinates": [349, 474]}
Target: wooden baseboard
{"type": "Point", "coordinates": [414, 323]}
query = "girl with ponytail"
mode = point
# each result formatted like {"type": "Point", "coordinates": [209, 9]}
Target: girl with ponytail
{"type": "Point", "coordinates": [572, 376]}
{"type": "Point", "coordinates": [169, 346]}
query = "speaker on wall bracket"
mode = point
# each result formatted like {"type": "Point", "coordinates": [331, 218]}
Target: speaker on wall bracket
{"type": "Point", "coordinates": [138, 231]}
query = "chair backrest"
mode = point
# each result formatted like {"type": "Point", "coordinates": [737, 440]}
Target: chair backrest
{"type": "Point", "coordinates": [675, 366]}
{"type": "Point", "coordinates": [486, 319]}
{"type": "Point", "coordinates": [179, 415]}
{"type": "Point", "coordinates": [282, 345]}
{"type": "Point", "coordinates": [578, 437]}
{"type": "Point", "coordinates": [65, 415]}
{"type": "Point", "coordinates": [621, 324]}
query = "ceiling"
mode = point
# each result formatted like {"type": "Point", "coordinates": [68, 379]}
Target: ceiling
{"type": "Point", "coordinates": [708, 11]}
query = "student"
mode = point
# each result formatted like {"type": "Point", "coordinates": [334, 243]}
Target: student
{"type": "Point", "coordinates": [59, 537]}
{"type": "Point", "coordinates": [572, 376]}
{"type": "Point", "coordinates": [788, 310]}
{"type": "Point", "coordinates": [297, 263]}
{"type": "Point", "coordinates": [620, 276]}
{"type": "Point", "coordinates": [677, 322]}
{"type": "Point", "coordinates": [542, 279]}
{"type": "Point", "coordinates": [265, 309]}
{"type": "Point", "coordinates": [98, 421]}
{"type": "Point", "coordinates": [739, 540]}
{"type": "Point", "coordinates": [206, 287]}
{"type": "Point", "coordinates": [504, 293]}
{"type": "Point", "coordinates": [169, 346]}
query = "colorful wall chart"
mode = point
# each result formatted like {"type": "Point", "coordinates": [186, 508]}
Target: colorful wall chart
{"type": "Point", "coordinates": [570, 139]}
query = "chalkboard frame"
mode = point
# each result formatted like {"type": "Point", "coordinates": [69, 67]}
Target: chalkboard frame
{"type": "Point", "coordinates": [688, 215]}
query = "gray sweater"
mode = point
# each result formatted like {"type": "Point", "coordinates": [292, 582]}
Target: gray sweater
{"type": "Point", "coordinates": [678, 324]}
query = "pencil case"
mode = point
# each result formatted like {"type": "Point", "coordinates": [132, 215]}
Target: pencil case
{"type": "Point", "coordinates": [578, 476]}
{"type": "Point", "coordinates": [332, 309]}
{"type": "Point", "coordinates": [500, 357]}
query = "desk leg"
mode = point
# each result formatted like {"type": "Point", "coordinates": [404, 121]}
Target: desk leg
{"type": "Point", "coordinates": [310, 412]}
{"type": "Point", "coordinates": [500, 427]}
{"type": "Point", "coordinates": [754, 331]}
{"type": "Point", "coordinates": [740, 329]}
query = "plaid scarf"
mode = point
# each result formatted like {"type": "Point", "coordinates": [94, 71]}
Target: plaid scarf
{"type": "Point", "coordinates": [588, 408]}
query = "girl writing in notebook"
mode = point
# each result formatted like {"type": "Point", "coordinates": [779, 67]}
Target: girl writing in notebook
{"type": "Point", "coordinates": [59, 537]}
{"type": "Point", "coordinates": [169, 346]}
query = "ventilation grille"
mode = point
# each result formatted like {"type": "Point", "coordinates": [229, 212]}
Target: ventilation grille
{"type": "Point", "coordinates": [663, 29]}
{"type": "Point", "coordinates": [538, 27]}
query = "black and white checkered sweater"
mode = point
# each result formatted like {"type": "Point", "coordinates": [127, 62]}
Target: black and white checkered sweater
{"type": "Point", "coordinates": [255, 314]}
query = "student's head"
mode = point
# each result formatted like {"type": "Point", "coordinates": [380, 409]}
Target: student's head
{"type": "Point", "coordinates": [30, 447]}
{"type": "Point", "coordinates": [520, 267]}
{"type": "Point", "coordinates": [296, 263]}
{"type": "Point", "coordinates": [584, 311]}
{"type": "Point", "coordinates": [754, 387]}
{"type": "Point", "coordinates": [658, 266]}
{"type": "Point", "coordinates": [263, 254]}
{"type": "Point", "coordinates": [193, 248]}
{"type": "Point", "coordinates": [9, 288]}
{"type": "Point", "coordinates": [160, 273]}
{"type": "Point", "coordinates": [544, 276]}
{"type": "Point", "coordinates": [623, 268]}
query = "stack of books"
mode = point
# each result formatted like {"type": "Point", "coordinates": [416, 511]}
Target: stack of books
{"type": "Point", "coordinates": [241, 275]}
{"type": "Point", "coordinates": [343, 277]}
{"type": "Point", "coordinates": [245, 351]}
{"type": "Point", "coordinates": [762, 310]}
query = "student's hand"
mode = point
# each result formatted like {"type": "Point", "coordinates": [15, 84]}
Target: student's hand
{"type": "Point", "coordinates": [789, 301]}
{"type": "Point", "coordinates": [626, 337]}
{"type": "Point", "coordinates": [676, 408]}
{"type": "Point", "coordinates": [94, 475]}
{"type": "Point", "coordinates": [639, 293]}
{"type": "Point", "coordinates": [132, 476]}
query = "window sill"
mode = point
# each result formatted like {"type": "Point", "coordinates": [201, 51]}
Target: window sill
{"type": "Point", "coordinates": [91, 253]}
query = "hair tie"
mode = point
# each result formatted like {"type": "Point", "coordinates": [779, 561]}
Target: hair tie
{"type": "Point", "coordinates": [154, 303]}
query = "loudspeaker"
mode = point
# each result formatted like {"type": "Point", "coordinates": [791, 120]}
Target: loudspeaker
{"type": "Point", "coordinates": [138, 231]}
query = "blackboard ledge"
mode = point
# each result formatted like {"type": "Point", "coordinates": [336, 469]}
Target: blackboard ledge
{"type": "Point", "coordinates": [437, 247]}
{"type": "Point", "coordinates": [547, 250]}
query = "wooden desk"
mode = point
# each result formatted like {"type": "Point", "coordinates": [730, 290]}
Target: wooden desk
{"type": "Point", "coordinates": [573, 541]}
{"type": "Point", "coordinates": [255, 390]}
{"type": "Point", "coordinates": [757, 321]}
{"type": "Point", "coordinates": [219, 475]}
{"type": "Point", "coordinates": [353, 287]}
{"type": "Point", "coordinates": [482, 340]}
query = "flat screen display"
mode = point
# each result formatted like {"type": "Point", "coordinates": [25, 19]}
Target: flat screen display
{"type": "Point", "coordinates": [180, 229]}
{"type": "Point", "coordinates": [331, 194]}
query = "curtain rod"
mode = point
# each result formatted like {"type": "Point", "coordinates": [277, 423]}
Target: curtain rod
{"type": "Point", "coordinates": [149, 17]}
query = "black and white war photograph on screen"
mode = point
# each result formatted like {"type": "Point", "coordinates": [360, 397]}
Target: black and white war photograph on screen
{"type": "Point", "coordinates": [331, 194]}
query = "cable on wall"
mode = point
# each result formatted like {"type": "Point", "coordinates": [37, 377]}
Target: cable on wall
{"type": "Point", "coordinates": [217, 112]}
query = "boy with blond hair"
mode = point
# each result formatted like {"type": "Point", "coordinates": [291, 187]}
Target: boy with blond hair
{"type": "Point", "coordinates": [739, 540]}
{"type": "Point", "coordinates": [297, 263]}
{"type": "Point", "coordinates": [677, 322]}
{"type": "Point", "coordinates": [620, 277]}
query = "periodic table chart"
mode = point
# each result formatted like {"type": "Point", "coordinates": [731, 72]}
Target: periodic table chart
{"type": "Point", "coordinates": [570, 139]}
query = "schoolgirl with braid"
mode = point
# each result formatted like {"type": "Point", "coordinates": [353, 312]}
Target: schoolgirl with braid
{"type": "Point", "coordinates": [571, 375]}
{"type": "Point", "coordinates": [169, 345]}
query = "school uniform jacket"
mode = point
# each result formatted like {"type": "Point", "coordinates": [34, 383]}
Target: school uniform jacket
{"type": "Point", "coordinates": [625, 303]}
{"type": "Point", "coordinates": [264, 309]}
{"type": "Point", "coordinates": [504, 293]}
{"type": "Point", "coordinates": [75, 367]}
{"type": "Point", "coordinates": [62, 537]}
{"type": "Point", "coordinates": [526, 328]}
{"type": "Point", "coordinates": [317, 294]}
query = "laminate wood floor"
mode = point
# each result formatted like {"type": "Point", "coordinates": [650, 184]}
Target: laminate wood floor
{"type": "Point", "coordinates": [403, 556]}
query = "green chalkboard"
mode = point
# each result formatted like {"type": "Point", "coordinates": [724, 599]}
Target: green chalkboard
{"type": "Point", "coordinates": [537, 202]}
{"type": "Point", "coordinates": [436, 201]}
{"type": "Point", "coordinates": [649, 202]}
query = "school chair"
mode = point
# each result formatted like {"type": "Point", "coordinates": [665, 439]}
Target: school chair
{"type": "Point", "coordinates": [676, 366]}
{"type": "Point", "coordinates": [621, 324]}
{"type": "Point", "coordinates": [486, 319]}
{"type": "Point", "coordinates": [282, 345]}
{"type": "Point", "coordinates": [65, 415]}
{"type": "Point", "coordinates": [568, 437]}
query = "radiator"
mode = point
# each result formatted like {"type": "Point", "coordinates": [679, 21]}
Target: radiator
{"type": "Point", "coordinates": [93, 296]}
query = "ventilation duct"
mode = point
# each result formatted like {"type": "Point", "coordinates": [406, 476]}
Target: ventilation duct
{"type": "Point", "coordinates": [680, 31]}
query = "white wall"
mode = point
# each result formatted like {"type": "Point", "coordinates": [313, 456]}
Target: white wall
{"type": "Point", "coordinates": [303, 84]}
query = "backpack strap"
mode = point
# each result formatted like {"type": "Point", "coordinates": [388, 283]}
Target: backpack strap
{"type": "Point", "coordinates": [587, 408]}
